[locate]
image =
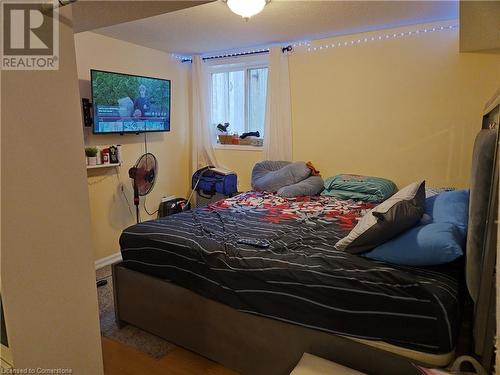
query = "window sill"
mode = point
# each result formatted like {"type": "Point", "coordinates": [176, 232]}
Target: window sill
{"type": "Point", "coordinates": [219, 146]}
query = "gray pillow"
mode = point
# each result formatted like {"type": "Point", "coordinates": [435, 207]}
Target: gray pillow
{"type": "Point", "coordinates": [273, 175]}
{"type": "Point", "coordinates": [310, 186]}
{"type": "Point", "coordinates": [396, 214]}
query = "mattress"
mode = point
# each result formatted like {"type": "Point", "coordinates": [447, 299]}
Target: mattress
{"type": "Point", "coordinates": [300, 278]}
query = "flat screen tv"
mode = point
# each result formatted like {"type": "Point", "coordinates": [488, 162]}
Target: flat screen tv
{"type": "Point", "coordinates": [125, 103]}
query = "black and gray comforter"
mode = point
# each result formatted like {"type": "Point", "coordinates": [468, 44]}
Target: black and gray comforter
{"type": "Point", "coordinates": [300, 278]}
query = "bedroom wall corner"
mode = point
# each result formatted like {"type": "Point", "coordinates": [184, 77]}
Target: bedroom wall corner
{"type": "Point", "coordinates": [110, 190]}
{"type": "Point", "coordinates": [48, 277]}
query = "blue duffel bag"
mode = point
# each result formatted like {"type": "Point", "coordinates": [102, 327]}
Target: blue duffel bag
{"type": "Point", "coordinates": [207, 182]}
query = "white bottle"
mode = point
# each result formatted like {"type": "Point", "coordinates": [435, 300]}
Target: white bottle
{"type": "Point", "coordinates": [119, 153]}
{"type": "Point", "coordinates": [99, 161]}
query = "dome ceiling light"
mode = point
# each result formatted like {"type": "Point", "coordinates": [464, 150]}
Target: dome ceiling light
{"type": "Point", "coordinates": [246, 8]}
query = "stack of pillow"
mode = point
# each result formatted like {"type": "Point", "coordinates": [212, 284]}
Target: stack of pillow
{"type": "Point", "coordinates": [408, 229]}
{"type": "Point", "coordinates": [438, 238]}
{"type": "Point", "coordinates": [286, 179]}
{"type": "Point", "coordinates": [364, 188]}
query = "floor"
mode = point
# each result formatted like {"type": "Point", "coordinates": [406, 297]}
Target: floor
{"type": "Point", "coordinates": [123, 360]}
{"type": "Point", "coordinates": [128, 335]}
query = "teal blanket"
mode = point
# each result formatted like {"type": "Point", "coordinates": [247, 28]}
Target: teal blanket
{"type": "Point", "coordinates": [365, 188]}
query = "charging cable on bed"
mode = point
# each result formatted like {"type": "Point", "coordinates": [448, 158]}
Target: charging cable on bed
{"type": "Point", "coordinates": [204, 169]}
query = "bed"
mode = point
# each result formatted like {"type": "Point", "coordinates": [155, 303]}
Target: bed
{"type": "Point", "coordinates": [188, 279]}
{"type": "Point", "coordinates": [300, 278]}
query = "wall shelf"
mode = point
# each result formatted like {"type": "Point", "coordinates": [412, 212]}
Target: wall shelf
{"type": "Point", "coordinates": [99, 166]}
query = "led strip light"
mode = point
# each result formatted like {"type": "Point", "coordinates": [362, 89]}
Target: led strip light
{"type": "Point", "coordinates": [314, 48]}
{"type": "Point", "coordinates": [376, 38]}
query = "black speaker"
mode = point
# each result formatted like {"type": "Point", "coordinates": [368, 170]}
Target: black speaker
{"type": "Point", "coordinates": [87, 112]}
{"type": "Point", "coordinates": [173, 206]}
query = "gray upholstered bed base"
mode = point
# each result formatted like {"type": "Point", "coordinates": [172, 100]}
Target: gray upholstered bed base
{"type": "Point", "coordinates": [249, 344]}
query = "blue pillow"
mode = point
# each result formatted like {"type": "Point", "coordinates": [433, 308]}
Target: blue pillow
{"type": "Point", "coordinates": [424, 245]}
{"type": "Point", "coordinates": [449, 207]}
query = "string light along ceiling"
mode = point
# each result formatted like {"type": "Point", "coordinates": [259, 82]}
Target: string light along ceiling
{"type": "Point", "coordinates": [310, 47]}
{"type": "Point", "coordinates": [375, 38]}
{"type": "Point", "coordinates": [246, 8]}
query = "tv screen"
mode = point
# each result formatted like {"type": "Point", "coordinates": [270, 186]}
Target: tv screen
{"type": "Point", "coordinates": [125, 103]}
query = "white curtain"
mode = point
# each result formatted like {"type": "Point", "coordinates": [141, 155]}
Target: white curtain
{"type": "Point", "coordinates": [203, 150]}
{"type": "Point", "coordinates": [278, 126]}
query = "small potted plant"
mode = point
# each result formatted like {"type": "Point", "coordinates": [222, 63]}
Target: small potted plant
{"type": "Point", "coordinates": [91, 153]}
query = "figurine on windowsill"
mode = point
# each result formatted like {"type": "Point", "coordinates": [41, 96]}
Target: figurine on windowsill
{"type": "Point", "coordinates": [250, 134]}
{"type": "Point", "coordinates": [223, 128]}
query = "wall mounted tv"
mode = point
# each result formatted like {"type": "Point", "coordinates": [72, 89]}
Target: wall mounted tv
{"type": "Point", "coordinates": [125, 103]}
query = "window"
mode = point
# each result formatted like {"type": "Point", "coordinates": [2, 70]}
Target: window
{"type": "Point", "coordinates": [238, 97]}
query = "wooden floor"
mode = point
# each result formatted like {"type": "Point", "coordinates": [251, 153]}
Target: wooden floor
{"type": "Point", "coordinates": [123, 360]}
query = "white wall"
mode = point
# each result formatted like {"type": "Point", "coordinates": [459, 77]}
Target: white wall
{"type": "Point", "coordinates": [48, 277]}
{"type": "Point", "coordinates": [110, 211]}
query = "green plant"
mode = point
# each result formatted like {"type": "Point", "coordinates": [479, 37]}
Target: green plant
{"type": "Point", "coordinates": [91, 152]}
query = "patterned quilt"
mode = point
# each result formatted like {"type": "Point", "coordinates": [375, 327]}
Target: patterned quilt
{"type": "Point", "coordinates": [308, 210]}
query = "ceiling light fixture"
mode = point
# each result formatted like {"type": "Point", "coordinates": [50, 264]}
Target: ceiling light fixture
{"type": "Point", "coordinates": [246, 8]}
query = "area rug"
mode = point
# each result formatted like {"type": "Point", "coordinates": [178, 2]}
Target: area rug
{"type": "Point", "coordinates": [129, 335]}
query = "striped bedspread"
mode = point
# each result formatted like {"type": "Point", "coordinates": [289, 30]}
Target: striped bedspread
{"type": "Point", "coordinates": [300, 278]}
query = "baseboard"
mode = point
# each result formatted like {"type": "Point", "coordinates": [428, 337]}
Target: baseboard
{"type": "Point", "coordinates": [106, 261]}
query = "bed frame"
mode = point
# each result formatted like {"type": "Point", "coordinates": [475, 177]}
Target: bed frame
{"type": "Point", "coordinates": [255, 345]}
{"type": "Point", "coordinates": [249, 344]}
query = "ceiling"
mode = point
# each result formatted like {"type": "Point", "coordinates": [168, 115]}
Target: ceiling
{"type": "Point", "coordinates": [213, 27]}
{"type": "Point", "coordinates": [91, 14]}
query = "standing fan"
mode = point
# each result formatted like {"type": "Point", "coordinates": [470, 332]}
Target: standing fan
{"type": "Point", "coordinates": [143, 175]}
